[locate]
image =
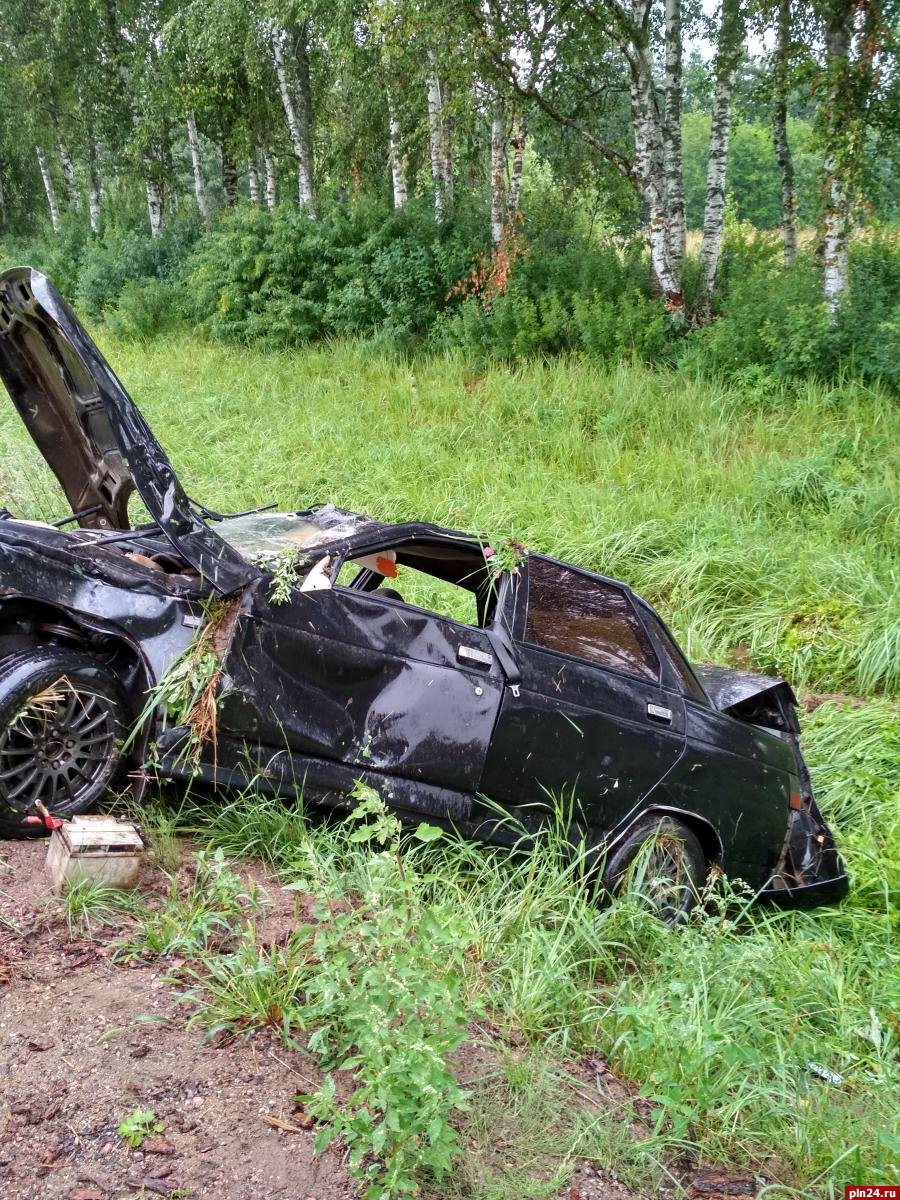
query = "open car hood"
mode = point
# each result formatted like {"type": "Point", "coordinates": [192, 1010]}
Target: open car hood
{"type": "Point", "coordinates": [91, 433]}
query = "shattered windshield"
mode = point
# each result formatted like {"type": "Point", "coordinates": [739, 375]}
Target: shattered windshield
{"type": "Point", "coordinates": [265, 538]}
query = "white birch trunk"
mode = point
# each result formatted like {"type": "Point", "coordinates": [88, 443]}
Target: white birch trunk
{"type": "Point", "coordinates": [514, 194]}
{"type": "Point", "coordinates": [672, 151]}
{"type": "Point", "coordinates": [297, 127]}
{"type": "Point", "coordinates": [94, 203]}
{"type": "Point", "coordinates": [68, 170]}
{"type": "Point", "coordinates": [498, 172]}
{"type": "Point", "coordinates": [836, 236]}
{"type": "Point", "coordinates": [649, 161]}
{"type": "Point", "coordinates": [2, 204]}
{"type": "Point", "coordinates": [93, 192]}
{"type": "Point", "coordinates": [271, 180]}
{"type": "Point", "coordinates": [398, 162]}
{"type": "Point", "coordinates": [253, 180]}
{"type": "Point", "coordinates": [782, 146]}
{"type": "Point", "coordinates": [304, 112]}
{"type": "Point", "coordinates": [154, 207]}
{"type": "Point", "coordinates": [435, 141]}
{"type": "Point", "coordinates": [728, 60]}
{"type": "Point", "coordinates": [197, 168]}
{"type": "Point", "coordinates": [49, 188]}
{"type": "Point", "coordinates": [447, 124]}
{"type": "Point", "coordinates": [836, 220]}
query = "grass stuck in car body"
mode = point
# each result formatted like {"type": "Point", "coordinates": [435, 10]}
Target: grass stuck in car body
{"type": "Point", "coordinates": [764, 525]}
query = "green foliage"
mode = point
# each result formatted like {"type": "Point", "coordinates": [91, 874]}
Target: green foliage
{"type": "Point", "coordinates": [138, 1126]}
{"type": "Point", "coordinates": [126, 276]}
{"type": "Point", "coordinates": [284, 578]}
{"type": "Point", "coordinates": [209, 911]}
{"type": "Point", "coordinates": [86, 904]}
{"type": "Point", "coordinates": [753, 181]}
{"type": "Point", "coordinates": [553, 303]}
{"type": "Point", "coordinates": [252, 988]}
{"type": "Point", "coordinates": [389, 1005]}
{"type": "Point", "coordinates": [715, 1023]}
{"type": "Point", "coordinates": [774, 321]}
{"type": "Point", "coordinates": [360, 269]}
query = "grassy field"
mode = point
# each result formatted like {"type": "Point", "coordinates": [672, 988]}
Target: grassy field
{"type": "Point", "coordinates": [765, 527]}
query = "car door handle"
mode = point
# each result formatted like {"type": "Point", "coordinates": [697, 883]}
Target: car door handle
{"type": "Point", "coordinates": [659, 713]}
{"type": "Point", "coordinates": [478, 658]}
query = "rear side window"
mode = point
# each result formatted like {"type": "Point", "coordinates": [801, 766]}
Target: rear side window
{"type": "Point", "coordinates": [689, 680]}
{"type": "Point", "coordinates": [587, 618]}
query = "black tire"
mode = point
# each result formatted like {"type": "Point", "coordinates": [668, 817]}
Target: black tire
{"type": "Point", "coordinates": [662, 861]}
{"type": "Point", "coordinates": [62, 724]}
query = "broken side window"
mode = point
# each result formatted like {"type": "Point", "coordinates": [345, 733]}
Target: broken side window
{"type": "Point", "coordinates": [587, 618]}
{"type": "Point", "coordinates": [449, 580]}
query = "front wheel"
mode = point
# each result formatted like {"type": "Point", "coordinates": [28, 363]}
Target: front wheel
{"type": "Point", "coordinates": [62, 723]}
{"type": "Point", "coordinates": [661, 862]}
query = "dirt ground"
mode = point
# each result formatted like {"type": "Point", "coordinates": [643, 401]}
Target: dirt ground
{"type": "Point", "coordinates": [85, 1041]}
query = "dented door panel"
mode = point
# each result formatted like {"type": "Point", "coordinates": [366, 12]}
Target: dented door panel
{"type": "Point", "coordinates": [371, 682]}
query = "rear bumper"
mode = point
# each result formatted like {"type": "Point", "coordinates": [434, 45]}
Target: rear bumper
{"type": "Point", "coordinates": [810, 871]}
{"type": "Point", "coordinates": [808, 895]}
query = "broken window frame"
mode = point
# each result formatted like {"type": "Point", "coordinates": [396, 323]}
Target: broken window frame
{"type": "Point", "coordinates": [490, 597]}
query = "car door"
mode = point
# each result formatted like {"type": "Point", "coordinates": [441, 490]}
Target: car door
{"type": "Point", "coordinates": [366, 679]}
{"type": "Point", "coordinates": [591, 717]}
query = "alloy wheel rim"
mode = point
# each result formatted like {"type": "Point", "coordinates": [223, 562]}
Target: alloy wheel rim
{"type": "Point", "coordinates": [56, 748]}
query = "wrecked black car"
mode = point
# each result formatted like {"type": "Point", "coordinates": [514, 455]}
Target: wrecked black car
{"type": "Point", "coordinates": [469, 684]}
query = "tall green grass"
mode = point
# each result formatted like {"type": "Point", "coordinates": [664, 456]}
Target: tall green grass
{"type": "Point", "coordinates": [763, 523]}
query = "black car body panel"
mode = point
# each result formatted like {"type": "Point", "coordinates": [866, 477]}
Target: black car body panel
{"type": "Point", "coordinates": [559, 684]}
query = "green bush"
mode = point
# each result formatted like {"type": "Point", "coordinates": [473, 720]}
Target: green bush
{"type": "Point", "coordinates": [359, 269]}
{"type": "Point", "coordinates": [572, 294]}
{"type": "Point", "coordinates": [775, 320]}
{"type": "Point", "coordinates": [126, 256]}
{"type": "Point", "coordinates": [363, 270]}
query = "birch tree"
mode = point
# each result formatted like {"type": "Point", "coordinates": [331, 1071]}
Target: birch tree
{"type": "Point", "coordinates": [781, 145]}
{"type": "Point", "coordinates": [532, 48]}
{"type": "Point", "coordinates": [229, 178]}
{"type": "Point", "coordinates": [728, 57]}
{"type": "Point", "coordinates": [271, 180]}
{"type": "Point", "coordinates": [49, 188]}
{"type": "Point", "coordinates": [154, 204]}
{"type": "Point", "coordinates": [68, 170]}
{"type": "Point", "coordinates": [397, 159]}
{"type": "Point", "coordinates": [673, 156]}
{"type": "Point", "coordinates": [295, 102]}
{"type": "Point", "coordinates": [200, 194]}
{"type": "Point", "coordinates": [498, 171]}
{"type": "Point", "coordinates": [836, 189]}
{"type": "Point", "coordinates": [94, 191]}
{"type": "Point", "coordinates": [514, 191]}
{"type": "Point", "coordinates": [253, 180]}
{"type": "Point", "coordinates": [436, 130]}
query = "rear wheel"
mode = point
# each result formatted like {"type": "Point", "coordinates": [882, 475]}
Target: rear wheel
{"type": "Point", "coordinates": [660, 861]}
{"type": "Point", "coordinates": [62, 723]}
